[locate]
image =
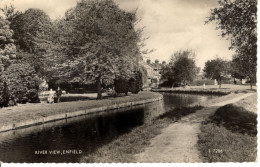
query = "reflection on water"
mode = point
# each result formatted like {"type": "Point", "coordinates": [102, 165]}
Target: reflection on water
{"type": "Point", "coordinates": [84, 133]}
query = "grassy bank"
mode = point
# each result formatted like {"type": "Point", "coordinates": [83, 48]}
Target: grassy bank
{"type": "Point", "coordinates": [126, 146]}
{"type": "Point", "coordinates": [194, 91]}
{"type": "Point", "coordinates": [209, 89]}
{"type": "Point", "coordinates": [229, 136]}
{"type": "Point", "coordinates": [25, 112]}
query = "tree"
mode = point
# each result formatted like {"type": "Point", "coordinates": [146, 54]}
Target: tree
{"type": "Point", "coordinates": [103, 42]}
{"type": "Point", "coordinates": [237, 20]}
{"type": "Point", "coordinates": [182, 68]}
{"type": "Point", "coordinates": [33, 36]}
{"type": "Point", "coordinates": [216, 69]}
{"type": "Point", "coordinates": [167, 74]}
{"type": "Point", "coordinates": [10, 12]}
{"type": "Point", "coordinates": [22, 81]}
{"type": "Point", "coordinates": [236, 70]}
{"type": "Point", "coordinates": [32, 30]}
{"type": "Point", "coordinates": [7, 54]}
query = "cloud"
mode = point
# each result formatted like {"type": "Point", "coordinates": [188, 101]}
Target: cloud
{"type": "Point", "coordinates": [54, 8]}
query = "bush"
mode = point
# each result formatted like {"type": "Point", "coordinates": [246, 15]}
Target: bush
{"type": "Point", "coordinates": [33, 96]}
{"type": "Point", "coordinates": [133, 85]}
{"type": "Point", "coordinates": [136, 84]}
{"type": "Point", "coordinates": [5, 95]}
{"type": "Point", "coordinates": [236, 119]}
{"type": "Point", "coordinates": [121, 86]}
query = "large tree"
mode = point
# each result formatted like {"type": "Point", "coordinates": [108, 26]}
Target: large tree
{"type": "Point", "coordinates": [32, 30]}
{"type": "Point", "coordinates": [7, 54]}
{"type": "Point", "coordinates": [103, 43]}
{"type": "Point", "coordinates": [182, 67]}
{"type": "Point", "coordinates": [217, 69]}
{"type": "Point", "coordinates": [237, 20]}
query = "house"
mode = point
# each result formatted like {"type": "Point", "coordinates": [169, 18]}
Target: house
{"type": "Point", "coordinates": [153, 73]}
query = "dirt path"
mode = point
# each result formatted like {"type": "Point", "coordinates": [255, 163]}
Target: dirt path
{"type": "Point", "coordinates": [177, 142]}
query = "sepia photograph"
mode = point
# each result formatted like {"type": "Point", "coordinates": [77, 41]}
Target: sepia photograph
{"type": "Point", "coordinates": [128, 81]}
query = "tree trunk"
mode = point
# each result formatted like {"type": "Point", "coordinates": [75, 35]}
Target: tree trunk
{"type": "Point", "coordinates": [99, 93]}
{"type": "Point", "coordinates": [251, 83]}
{"type": "Point", "coordinates": [219, 83]}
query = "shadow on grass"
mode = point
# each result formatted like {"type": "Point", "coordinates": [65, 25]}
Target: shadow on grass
{"type": "Point", "coordinates": [229, 136]}
{"type": "Point", "coordinates": [236, 119]}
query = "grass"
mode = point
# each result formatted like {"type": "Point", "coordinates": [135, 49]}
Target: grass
{"type": "Point", "coordinates": [221, 91]}
{"type": "Point", "coordinates": [236, 119]}
{"type": "Point", "coordinates": [229, 136]}
{"type": "Point", "coordinates": [33, 111]}
{"type": "Point", "coordinates": [199, 82]}
{"type": "Point", "coordinates": [125, 147]}
{"type": "Point", "coordinates": [210, 89]}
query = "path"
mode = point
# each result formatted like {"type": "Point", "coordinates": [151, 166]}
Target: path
{"type": "Point", "coordinates": [177, 142]}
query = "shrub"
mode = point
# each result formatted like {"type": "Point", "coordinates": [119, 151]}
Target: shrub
{"type": "Point", "coordinates": [133, 85]}
{"type": "Point", "coordinates": [33, 96]}
{"type": "Point", "coordinates": [121, 86]}
{"type": "Point", "coordinates": [136, 84]}
{"type": "Point", "coordinates": [5, 95]}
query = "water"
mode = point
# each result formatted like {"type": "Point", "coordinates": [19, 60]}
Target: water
{"type": "Point", "coordinates": [79, 136]}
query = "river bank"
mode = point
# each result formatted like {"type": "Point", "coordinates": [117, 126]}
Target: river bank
{"type": "Point", "coordinates": [208, 89]}
{"type": "Point", "coordinates": [31, 114]}
{"type": "Point", "coordinates": [170, 138]}
{"type": "Point", "coordinates": [236, 128]}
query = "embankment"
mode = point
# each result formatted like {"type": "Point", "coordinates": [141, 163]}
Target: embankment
{"type": "Point", "coordinates": [194, 91]}
{"type": "Point", "coordinates": [32, 114]}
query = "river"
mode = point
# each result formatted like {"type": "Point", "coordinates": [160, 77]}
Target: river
{"type": "Point", "coordinates": [70, 139]}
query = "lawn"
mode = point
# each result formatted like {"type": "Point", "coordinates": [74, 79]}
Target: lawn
{"type": "Point", "coordinates": [23, 112]}
{"type": "Point", "coordinates": [229, 135]}
{"type": "Point", "coordinates": [210, 89]}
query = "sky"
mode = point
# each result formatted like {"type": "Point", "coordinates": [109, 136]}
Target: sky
{"type": "Point", "coordinates": [171, 25]}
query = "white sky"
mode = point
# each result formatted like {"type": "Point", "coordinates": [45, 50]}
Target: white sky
{"type": "Point", "coordinates": [171, 25]}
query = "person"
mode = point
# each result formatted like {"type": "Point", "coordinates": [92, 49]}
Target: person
{"type": "Point", "coordinates": [51, 97]}
{"type": "Point", "coordinates": [58, 93]}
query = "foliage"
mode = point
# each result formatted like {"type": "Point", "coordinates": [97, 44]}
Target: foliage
{"type": "Point", "coordinates": [121, 86]}
{"type": "Point", "coordinates": [133, 85]}
{"type": "Point", "coordinates": [22, 81]}
{"type": "Point", "coordinates": [7, 54]}
{"type": "Point", "coordinates": [32, 30]}
{"type": "Point", "coordinates": [5, 95]}
{"type": "Point", "coordinates": [181, 68]}
{"type": "Point", "coordinates": [136, 83]}
{"type": "Point", "coordinates": [10, 12]}
{"type": "Point", "coordinates": [236, 70]}
{"type": "Point", "coordinates": [103, 42]}
{"type": "Point", "coordinates": [237, 20]}
{"type": "Point", "coordinates": [216, 69]}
